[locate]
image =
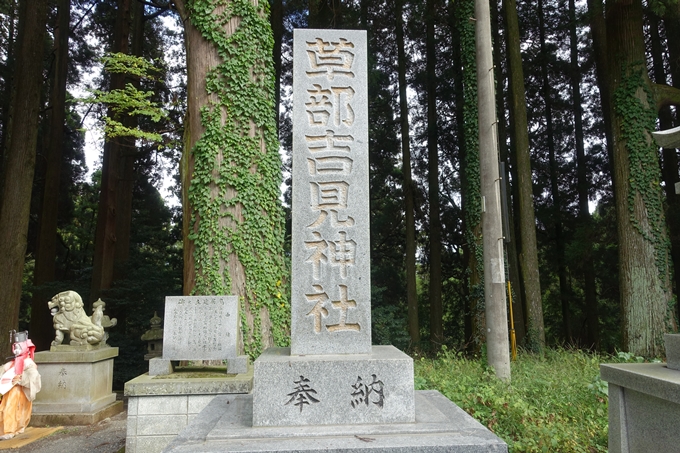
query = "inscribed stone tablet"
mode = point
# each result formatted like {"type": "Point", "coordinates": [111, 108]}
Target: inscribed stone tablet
{"type": "Point", "coordinates": [331, 288]}
{"type": "Point", "coordinates": [200, 327]}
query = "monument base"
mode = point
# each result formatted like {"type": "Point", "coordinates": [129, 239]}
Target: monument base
{"type": "Point", "coordinates": [76, 386]}
{"type": "Point", "coordinates": [160, 407]}
{"type": "Point", "coordinates": [334, 389]}
{"type": "Point", "coordinates": [440, 426]}
{"type": "Point", "coordinates": [159, 366]}
{"type": "Point", "coordinates": [77, 418]}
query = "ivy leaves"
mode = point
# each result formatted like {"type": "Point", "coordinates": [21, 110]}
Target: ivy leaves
{"type": "Point", "coordinates": [638, 118]}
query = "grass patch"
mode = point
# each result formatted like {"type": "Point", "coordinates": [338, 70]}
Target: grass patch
{"type": "Point", "coordinates": [555, 403]}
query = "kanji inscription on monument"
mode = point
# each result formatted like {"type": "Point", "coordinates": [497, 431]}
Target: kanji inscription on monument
{"type": "Point", "coordinates": [200, 327]}
{"type": "Point", "coordinates": [331, 305]}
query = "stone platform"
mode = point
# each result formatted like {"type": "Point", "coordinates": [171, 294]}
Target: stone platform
{"type": "Point", "coordinates": [333, 389]}
{"type": "Point", "coordinates": [440, 426]}
{"type": "Point", "coordinates": [644, 407]}
{"type": "Point", "coordinates": [160, 407]}
{"type": "Point", "coordinates": [76, 387]}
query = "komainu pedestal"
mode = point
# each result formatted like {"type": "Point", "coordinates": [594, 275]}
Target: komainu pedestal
{"type": "Point", "coordinates": [339, 389]}
{"type": "Point", "coordinates": [76, 387]}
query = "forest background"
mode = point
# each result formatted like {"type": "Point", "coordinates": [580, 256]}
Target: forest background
{"type": "Point", "coordinates": [593, 221]}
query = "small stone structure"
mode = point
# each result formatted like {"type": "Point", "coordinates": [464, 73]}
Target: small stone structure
{"type": "Point", "coordinates": [162, 402]}
{"type": "Point", "coordinates": [77, 378]}
{"type": "Point", "coordinates": [154, 338]}
{"type": "Point", "coordinates": [644, 403]}
{"type": "Point", "coordinates": [332, 390]}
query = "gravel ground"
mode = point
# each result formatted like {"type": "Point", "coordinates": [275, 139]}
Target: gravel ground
{"type": "Point", "coordinates": [107, 436]}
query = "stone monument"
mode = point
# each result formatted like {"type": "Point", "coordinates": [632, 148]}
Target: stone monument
{"type": "Point", "coordinates": [77, 377]}
{"type": "Point", "coordinates": [162, 402]}
{"type": "Point", "coordinates": [331, 366]}
{"type": "Point", "coordinates": [332, 390]}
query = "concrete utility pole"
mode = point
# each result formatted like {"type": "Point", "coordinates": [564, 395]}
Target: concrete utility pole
{"type": "Point", "coordinates": [498, 352]}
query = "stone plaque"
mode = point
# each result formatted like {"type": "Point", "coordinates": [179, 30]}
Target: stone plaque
{"type": "Point", "coordinates": [200, 327]}
{"type": "Point", "coordinates": [331, 297]}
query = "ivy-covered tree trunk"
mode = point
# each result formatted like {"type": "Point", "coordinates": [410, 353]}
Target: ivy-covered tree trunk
{"type": "Point", "coordinates": [20, 164]}
{"type": "Point", "coordinates": [468, 132]}
{"type": "Point", "coordinates": [409, 203]}
{"type": "Point", "coordinates": [527, 220]}
{"type": "Point", "coordinates": [234, 222]}
{"type": "Point", "coordinates": [644, 252]}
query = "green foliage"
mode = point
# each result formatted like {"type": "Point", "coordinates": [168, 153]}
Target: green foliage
{"type": "Point", "coordinates": [129, 101]}
{"type": "Point", "coordinates": [248, 177]}
{"type": "Point", "coordinates": [551, 405]}
{"type": "Point", "coordinates": [131, 65]}
{"type": "Point", "coordinates": [388, 325]}
{"type": "Point", "coordinates": [638, 119]}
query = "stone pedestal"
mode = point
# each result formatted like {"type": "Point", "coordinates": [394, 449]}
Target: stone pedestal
{"type": "Point", "coordinates": [160, 407]}
{"type": "Point", "coordinates": [672, 343]}
{"type": "Point", "coordinates": [76, 387]}
{"type": "Point", "coordinates": [644, 407]}
{"type": "Point", "coordinates": [440, 427]}
{"type": "Point", "coordinates": [333, 389]}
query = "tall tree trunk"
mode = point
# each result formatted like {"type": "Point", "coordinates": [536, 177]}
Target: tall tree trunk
{"type": "Point", "coordinates": [592, 324]}
{"type": "Point", "coordinates": [511, 245]}
{"type": "Point", "coordinates": [554, 184]}
{"type": "Point", "coordinates": [127, 154]}
{"type": "Point", "coordinates": [644, 258]}
{"type": "Point", "coordinates": [325, 14]}
{"type": "Point", "coordinates": [7, 94]}
{"type": "Point", "coordinates": [21, 155]}
{"type": "Point", "coordinates": [46, 247]}
{"type": "Point", "coordinates": [527, 219]}
{"type": "Point", "coordinates": [234, 223]}
{"type": "Point", "coordinates": [436, 309]}
{"type": "Point", "coordinates": [598, 29]}
{"type": "Point", "coordinates": [105, 237]}
{"type": "Point", "coordinates": [410, 224]}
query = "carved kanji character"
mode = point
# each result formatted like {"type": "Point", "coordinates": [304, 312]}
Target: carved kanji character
{"type": "Point", "coordinates": [318, 245]}
{"type": "Point", "coordinates": [330, 58]}
{"type": "Point", "coordinates": [343, 305]}
{"type": "Point", "coordinates": [318, 311]}
{"type": "Point", "coordinates": [342, 253]}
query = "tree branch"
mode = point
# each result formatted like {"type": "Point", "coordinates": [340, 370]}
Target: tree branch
{"type": "Point", "coordinates": [181, 9]}
{"type": "Point", "coordinates": [665, 95]}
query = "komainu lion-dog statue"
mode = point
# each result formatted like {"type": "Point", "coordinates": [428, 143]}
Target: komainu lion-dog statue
{"type": "Point", "coordinates": [70, 318]}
